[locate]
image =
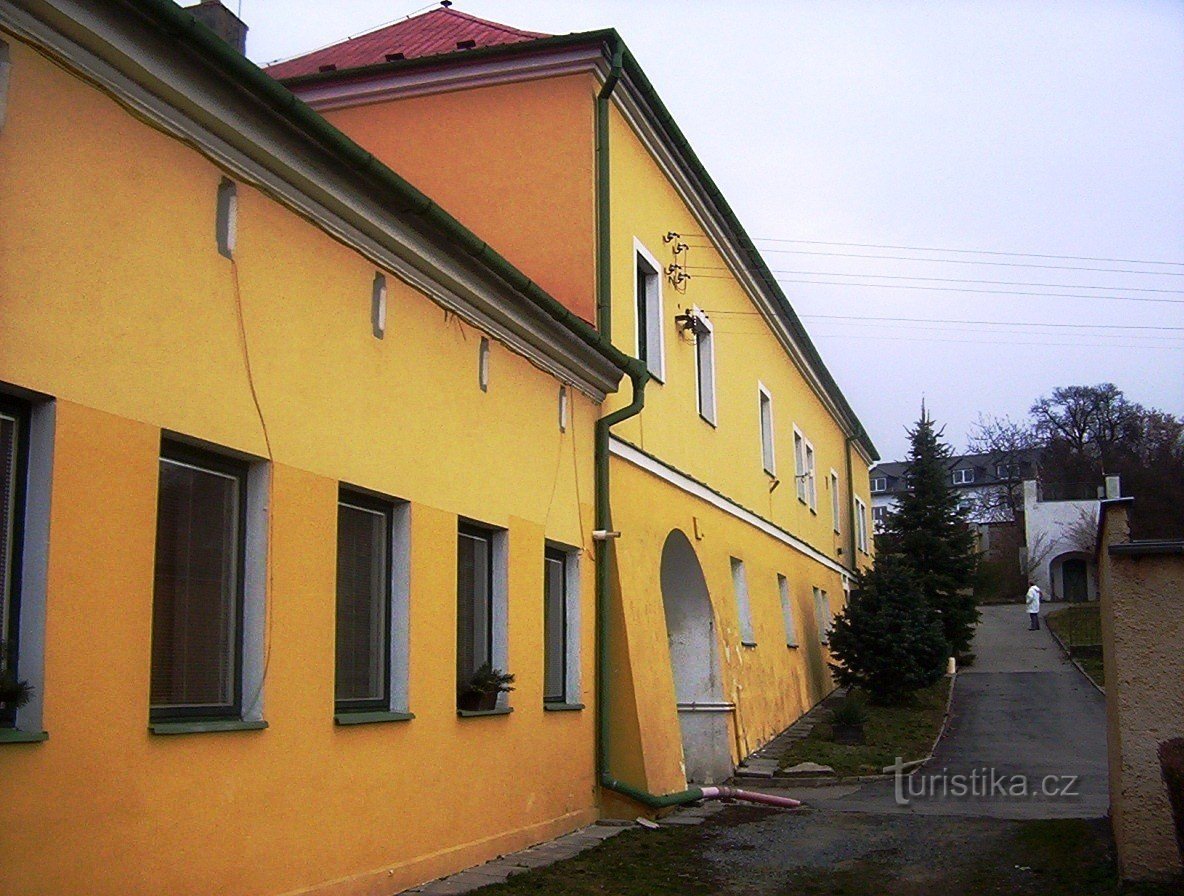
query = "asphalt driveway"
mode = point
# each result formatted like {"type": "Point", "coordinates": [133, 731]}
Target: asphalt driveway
{"type": "Point", "coordinates": [1026, 738]}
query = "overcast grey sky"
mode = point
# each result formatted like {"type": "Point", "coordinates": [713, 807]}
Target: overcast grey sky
{"type": "Point", "coordinates": [1055, 129]}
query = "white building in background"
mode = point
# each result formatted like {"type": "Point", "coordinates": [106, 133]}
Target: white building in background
{"type": "Point", "coordinates": [1060, 537]}
{"type": "Point", "coordinates": [979, 480]}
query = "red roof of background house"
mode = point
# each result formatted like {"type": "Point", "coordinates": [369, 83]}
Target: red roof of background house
{"type": "Point", "coordinates": [439, 31]}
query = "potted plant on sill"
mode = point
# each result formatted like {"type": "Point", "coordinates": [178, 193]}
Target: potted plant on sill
{"type": "Point", "coordinates": [13, 693]}
{"type": "Point", "coordinates": [480, 692]}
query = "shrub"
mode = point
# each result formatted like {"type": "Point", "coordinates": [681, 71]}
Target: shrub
{"type": "Point", "coordinates": [851, 714]}
{"type": "Point", "coordinates": [888, 640]}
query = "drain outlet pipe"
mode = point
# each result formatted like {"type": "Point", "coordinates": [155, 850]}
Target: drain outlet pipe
{"type": "Point", "coordinates": [749, 796]}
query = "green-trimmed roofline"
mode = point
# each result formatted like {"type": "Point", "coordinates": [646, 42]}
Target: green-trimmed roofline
{"type": "Point", "coordinates": [182, 27]}
{"type": "Point", "coordinates": [610, 42]}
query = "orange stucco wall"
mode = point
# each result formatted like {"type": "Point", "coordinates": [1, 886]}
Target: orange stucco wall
{"type": "Point", "coordinates": [513, 162]}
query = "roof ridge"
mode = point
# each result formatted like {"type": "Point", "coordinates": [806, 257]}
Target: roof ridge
{"type": "Point", "coordinates": [509, 29]}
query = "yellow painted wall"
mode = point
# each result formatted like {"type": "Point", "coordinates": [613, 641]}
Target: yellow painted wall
{"type": "Point", "coordinates": [727, 456]}
{"type": "Point", "coordinates": [774, 686]}
{"type": "Point", "coordinates": [771, 683]}
{"type": "Point", "coordinates": [114, 301]}
{"type": "Point", "coordinates": [513, 162]}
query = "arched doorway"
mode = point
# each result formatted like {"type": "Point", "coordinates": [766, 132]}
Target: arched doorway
{"type": "Point", "coordinates": [694, 657]}
{"type": "Point", "coordinates": [1072, 575]}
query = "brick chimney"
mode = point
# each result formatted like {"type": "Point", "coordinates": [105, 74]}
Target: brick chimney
{"type": "Point", "coordinates": [222, 22]}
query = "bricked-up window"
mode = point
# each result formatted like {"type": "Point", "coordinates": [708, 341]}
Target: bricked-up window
{"type": "Point", "coordinates": [555, 635]}
{"type": "Point", "coordinates": [474, 601]}
{"type": "Point", "coordinates": [705, 366]}
{"type": "Point", "coordinates": [14, 439]}
{"type": "Point", "coordinates": [197, 610]}
{"type": "Point", "coordinates": [364, 527]}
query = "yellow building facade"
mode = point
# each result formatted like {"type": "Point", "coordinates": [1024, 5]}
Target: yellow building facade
{"type": "Point", "coordinates": [290, 452]}
{"type": "Point", "coordinates": [207, 301]}
{"type": "Point", "coordinates": [740, 486]}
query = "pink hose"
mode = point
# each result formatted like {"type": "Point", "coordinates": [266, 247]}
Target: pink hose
{"type": "Point", "coordinates": [734, 793]}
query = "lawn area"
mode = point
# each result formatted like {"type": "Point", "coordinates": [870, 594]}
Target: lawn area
{"type": "Point", "coordinates": [906, 731]}
{"type": "Point", "coordinates": [746, 851]}
{"type": "Point", "coordinates": [1079, 626]}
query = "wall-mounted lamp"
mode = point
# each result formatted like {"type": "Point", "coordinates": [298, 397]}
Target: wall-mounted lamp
{"type": "Point", "coordinates": [690, 321]}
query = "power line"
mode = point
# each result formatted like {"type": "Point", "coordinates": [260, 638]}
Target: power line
{"type": "Point", "coordinates": [706, 267]}
{"type": "Point", "coordinates": [999, 292]}
{"type": "Point", "coordinates": [995, 342]}
{"type": "Point", "coordinates": [769, 239]}
{"type": "Point", "coordinates": [998, 264]}
{"type": "Point", "coordinates": [930, 320]}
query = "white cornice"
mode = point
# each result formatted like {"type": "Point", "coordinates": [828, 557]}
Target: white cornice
{"type": "Point", "coordinates": [143, 72]}
{"type": "Point", "coordinates": [628, 100]}
{"type": "Point", "coordinates": [695, 488]}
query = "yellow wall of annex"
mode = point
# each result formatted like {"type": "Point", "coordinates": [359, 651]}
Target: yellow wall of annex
{"type": "Point", "coordinates": [115, 302]}
{"type": "Point", "coordinates": [513, 162]}
{"type": "Point", "coordinates": [771, 683]}
{"type": "Point", "coordinates": [727, 456]}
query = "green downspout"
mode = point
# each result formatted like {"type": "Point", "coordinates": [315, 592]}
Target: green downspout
{"type": "Point", "coordinates": [639, 376]}
{"type": "Point", "coordinates": [604, 288]}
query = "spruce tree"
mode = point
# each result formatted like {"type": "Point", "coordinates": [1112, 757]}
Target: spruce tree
{"type": "Point", "coordinates": [928, 530]}
{"type": "Point", "coordinates": [888, 640]}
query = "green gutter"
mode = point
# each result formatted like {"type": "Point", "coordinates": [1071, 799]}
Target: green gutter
{"type": "Point", "coordinates": [605, 555]}
{"type": "Point", "coordinates": [174, 21]}
{"type": "Point", "coordinates": [604, 318]}
{"type": "Point", "coordinates": [664, 121]}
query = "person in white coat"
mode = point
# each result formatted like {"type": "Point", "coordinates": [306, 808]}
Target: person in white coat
{"type": "Point", "coordinates": [1033, 600]}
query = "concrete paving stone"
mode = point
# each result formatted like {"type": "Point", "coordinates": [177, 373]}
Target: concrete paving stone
{"type": "Point", "coordinates": [446, 887]}
{"type": "Point", "coordinates": [603, 831]}
{"type": "Point", "coordinates": [809, 768]}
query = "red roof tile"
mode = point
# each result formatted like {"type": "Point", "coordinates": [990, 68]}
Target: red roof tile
{"type": "Point", "coordinates": [439, 31]}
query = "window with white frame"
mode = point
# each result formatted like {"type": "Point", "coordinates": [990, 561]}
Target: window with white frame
{"type": "Point", "coordinates": [964, 476]}
{"type": "Point", "coordinates": [743, 606]}
{"type": "Point", "coordinates": [860, 525]}
{"type": "Point", "coordinates": [878, 515]}
{"type": "Point", "coordinates": [879, 483]}
{"type": "Point", "coordinates": [561, 619]}
{"type": "Point", "coordinates": [808, 482]}
{"type": "Point", "coordinates": [480, 603]}
{"type": "Point", "coordinates": [651, 349]}
{"type": "Point", "coordinates": [705, 366]}
{"type": "Point", "coordinates": [799, 464]}
{"type": "Point", "coordinates": [766, 422]}
{"type": "Point", "coordinates": [822, 614]}
{"type": "Point", "coordinates": [208, 591]}
{"type": "Point", "coordinates": [372, 605]}
{"type": "Point", "coordinates": [835, 503]}
{"type": "Point", "coordinates": [791, 630]}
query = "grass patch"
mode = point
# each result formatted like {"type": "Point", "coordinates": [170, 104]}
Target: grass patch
{"type": "Point", "coordinates": [906, 731]}
{"type": "Point", "coordinates": [1080, 628]}
{"type": "Point", "coordinates": [635, 863]}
